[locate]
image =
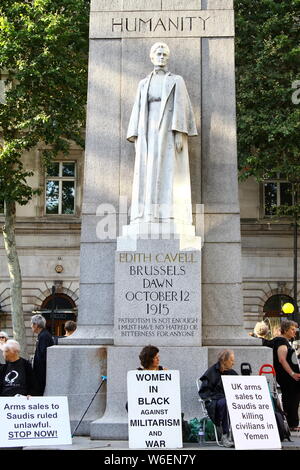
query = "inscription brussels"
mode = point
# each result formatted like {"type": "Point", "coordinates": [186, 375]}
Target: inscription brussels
{"type": "Point", "coordinates": [159, 294]}
{"type": "Point", "coordinates": [152, 25]}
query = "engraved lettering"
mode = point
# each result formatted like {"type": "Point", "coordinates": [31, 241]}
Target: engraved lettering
{"type": "Point", "coordinates": [171, 22]}
{"type": "Point", "coordinates": [144, 23]}
{"type": "Point", "coordinates": [204, 22]}
{"type": "Point", "coordinates": [118, 22]}
{"type": "Point", "coordinates": [133, 28]}
{"type": "Point", "coordinates": [159, 23]}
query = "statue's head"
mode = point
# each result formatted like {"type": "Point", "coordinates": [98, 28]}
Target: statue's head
{"type": "Point", "coordinates": [159, 54]}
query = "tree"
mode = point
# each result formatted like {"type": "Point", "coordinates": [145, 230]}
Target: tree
{"type": "Point", "coordinates": [267, 65]}
{"type": "Point", "coordinates": [43, 58]}
{"type": "Point", "coordinates": [268, 111]}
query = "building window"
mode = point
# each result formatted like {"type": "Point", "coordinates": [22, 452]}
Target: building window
{"type": "Point", "coordinates": [276, 193]}
{"type": "Point", "coordinates": [60, 188]}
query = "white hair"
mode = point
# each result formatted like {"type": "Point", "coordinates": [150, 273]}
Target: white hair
{"type": "Point", "coordinates": [38, 320]}
{"type": "Point", "coordinates": [261, 329]}
{"type": "Point", "coordinates": [3, 333]}
{"type": "Point", "coordinates": [12, 345]}
{"type": "Point", "coordinates": [156, 46]}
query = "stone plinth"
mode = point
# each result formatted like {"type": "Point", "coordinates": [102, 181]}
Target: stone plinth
{"type": "Point", "coordinates": [189, 361]}
{"type": "Point", "coordinates": [75, 372]}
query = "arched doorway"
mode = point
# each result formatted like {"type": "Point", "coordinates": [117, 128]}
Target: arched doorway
{"type": "Point", "coordinates": [273, 306]}
{"type": "Point", "coordinates": [273, 311]}
{"type": "Point", "coordinates": [57, 309]}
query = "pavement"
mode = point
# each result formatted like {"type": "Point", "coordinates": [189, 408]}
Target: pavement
{"type": "Point", "coordinates": [81, 443]}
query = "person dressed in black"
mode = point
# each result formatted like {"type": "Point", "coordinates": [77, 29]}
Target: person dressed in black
{"type": "Point", "coordinates": [287, 370]}
{"type": "Point", "coordinates": [16, 375]}
{"type": "Point", "coordinates": [213, 395]}
{"type": "Point", "coordinates": [44, 340]}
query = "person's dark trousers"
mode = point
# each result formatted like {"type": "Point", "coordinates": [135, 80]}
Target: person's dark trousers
{"type": "Point", "coordinates": [222, 415]}
{"type": "Point", "coordinates": [290, 403]}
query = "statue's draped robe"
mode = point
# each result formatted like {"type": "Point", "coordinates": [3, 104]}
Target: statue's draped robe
{"type": "Point", "coordinates": [161, 184]}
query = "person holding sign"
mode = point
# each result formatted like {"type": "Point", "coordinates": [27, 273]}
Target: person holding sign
{"type": "Point", "coordinates": [287, 371]}
{"type": "Point", "coordinates": [149, 358]}
{"type": "Point", "coordinates": [213, 395]}
{"type": "Point", "coordinates": [16, 375]}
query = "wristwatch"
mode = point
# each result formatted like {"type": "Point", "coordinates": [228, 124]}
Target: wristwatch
{"type": "Point", "coordinates": [292, 374]}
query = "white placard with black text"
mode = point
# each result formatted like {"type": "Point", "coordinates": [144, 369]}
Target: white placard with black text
{"type": "Point", "coordinates": [36, 421]}
{"type": "Point", "coordinates": [154, 409]}
{"type": "Point", "coordinates": [251, 412]}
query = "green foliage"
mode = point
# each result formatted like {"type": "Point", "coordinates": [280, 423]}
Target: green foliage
{"type": "Point", "coordinates": [267, 65]}
{"type": "Point", "coordinates": [43, 57]}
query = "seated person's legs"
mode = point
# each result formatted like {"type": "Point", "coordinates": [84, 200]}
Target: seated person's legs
{"type": "Point", "coordinates": [222, 415]}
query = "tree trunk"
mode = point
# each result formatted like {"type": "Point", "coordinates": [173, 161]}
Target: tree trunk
{"type": "Point", "coordinates": [15, 276]}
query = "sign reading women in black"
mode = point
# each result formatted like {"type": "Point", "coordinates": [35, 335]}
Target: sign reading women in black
{"type": "Point", "coordinates": [154, 409]}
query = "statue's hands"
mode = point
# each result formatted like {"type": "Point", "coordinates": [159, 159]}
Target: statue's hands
{"type": "Point", "coordinates": [178, 141]}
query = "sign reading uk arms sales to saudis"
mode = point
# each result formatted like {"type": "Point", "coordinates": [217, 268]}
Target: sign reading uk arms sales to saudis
{"type": "Point", "coordinates": [36, 421]}
{"type": "Point", "coordinates": [154, 409]}
{"type": "Point", "coordinates": [251, 412]}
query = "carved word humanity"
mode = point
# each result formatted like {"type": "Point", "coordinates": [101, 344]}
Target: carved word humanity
{"type": "Point", "coordinates": [151, 25]}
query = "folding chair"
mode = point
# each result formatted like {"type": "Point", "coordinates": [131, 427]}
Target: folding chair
{"type": "Point", "coordinates": [205, 416]}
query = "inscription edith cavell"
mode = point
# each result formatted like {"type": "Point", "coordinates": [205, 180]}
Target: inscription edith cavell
{"type": "Point", "coordinates": [208, 23]}
{"type": "Point", "coordinates": [158, 297]}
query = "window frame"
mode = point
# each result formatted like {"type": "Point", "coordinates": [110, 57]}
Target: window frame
{"type": "Point", "coordinates": [60, 178]}
{"type": "Point", "coordinates": [76, 155]}
{"type": "Point", "coordinates": [278, 181]}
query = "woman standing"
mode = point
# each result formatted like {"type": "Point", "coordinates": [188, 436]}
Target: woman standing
{"type": "Point", "coordinates": [287, 371]}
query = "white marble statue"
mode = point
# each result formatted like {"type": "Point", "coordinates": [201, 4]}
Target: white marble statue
{"type": "Point", "coordinates": [161, 121]}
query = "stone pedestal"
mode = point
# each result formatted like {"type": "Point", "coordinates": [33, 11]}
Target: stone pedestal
{"type": "Point", "coordinates": [190, 361]}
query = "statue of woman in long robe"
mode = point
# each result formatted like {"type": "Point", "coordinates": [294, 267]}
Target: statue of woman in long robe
{"type": "Point", "coordinates": [161, 121]}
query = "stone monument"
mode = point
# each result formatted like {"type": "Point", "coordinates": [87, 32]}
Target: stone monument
{"type": "Point", "coordinates": [160, 276]}
{"type": "Point", "coordinates": [157, 285]}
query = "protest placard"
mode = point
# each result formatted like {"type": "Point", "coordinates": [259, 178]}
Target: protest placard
{"type": "Point", "coordinates": [34, 422]}
{"type": "Point", "coordinates": [154, 409]}
{"type": "Point", "coordinates": [251, 412]}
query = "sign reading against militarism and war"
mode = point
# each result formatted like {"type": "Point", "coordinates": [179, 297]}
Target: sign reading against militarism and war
{"type": "Point", "coordinates": [36, 421]}
{"type": "Point", "coordinates": [154, 409]}
{"type": "Point", "coordinates": [251, 412]}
